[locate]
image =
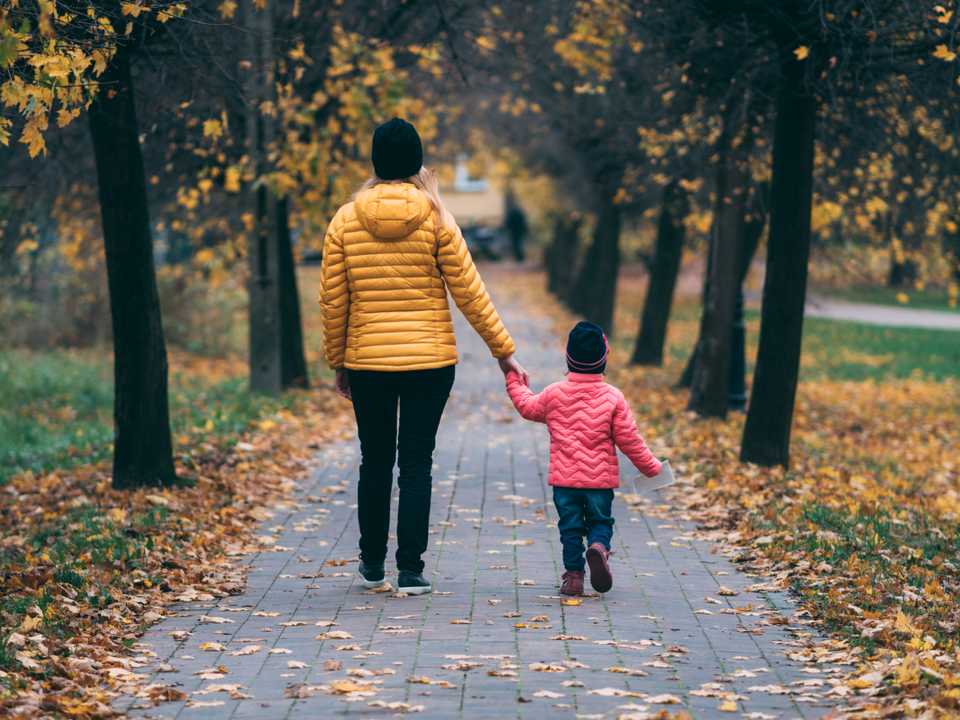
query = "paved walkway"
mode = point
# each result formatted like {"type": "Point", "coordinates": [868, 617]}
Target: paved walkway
{"type": "Point", "coordinates": [889, 315]}
{"type": "Point", "coordinates": [681, 630]}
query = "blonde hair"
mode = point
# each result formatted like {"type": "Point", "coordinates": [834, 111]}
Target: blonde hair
{"type": "Point", "coordinates": [425, 180]}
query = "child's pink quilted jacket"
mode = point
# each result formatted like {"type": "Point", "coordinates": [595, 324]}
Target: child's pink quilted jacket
{"type": "Point", "coordinates": [587, 419]}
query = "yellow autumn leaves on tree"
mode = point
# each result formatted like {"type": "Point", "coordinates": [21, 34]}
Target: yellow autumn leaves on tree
{"type": "Point", "coordinates": [52, 60]}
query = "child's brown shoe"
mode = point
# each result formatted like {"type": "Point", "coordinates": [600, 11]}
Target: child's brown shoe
{"type": "Point", "coordinates": [600, 576]}
{"type": "Point", "coordinates": [572, 583]}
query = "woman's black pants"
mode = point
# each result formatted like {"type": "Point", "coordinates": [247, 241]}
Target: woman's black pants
{"type": "Point", "coordinates": [420, 396]}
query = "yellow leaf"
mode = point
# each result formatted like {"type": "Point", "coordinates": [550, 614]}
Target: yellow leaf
{"type": "Point", "coordinates": [908, 673]}
{"type": "Point", "coordinates": [131, 9]}
{"type": "Point", "coordinates": [485, 43]}
{"type": "Point", "coordinates": [212, 129]}
{"type": "Point", "coordinates": [33, 139]}
{"type": "Point", "coordinates": [231, 180]}
{"type": "Point", "coordinates": [228, 9]}
{"type": "Point", "coordinates": [802, 52]}
{"type": "Point", "coordinates": [728, 706]}
{"type": "Point", "coordinates": [944, 53]}
{"type": "Point", "coordinates": [66, 116]}
{"type": "Point", "coordinates": [27, 246]}
{"type": "Point", "coordinates": [30, 622]}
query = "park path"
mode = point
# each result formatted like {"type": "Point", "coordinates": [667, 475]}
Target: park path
{"type": "Point", "coordinates": [681, 627]}
{"type": "Point", "coordinates": [887, 315]}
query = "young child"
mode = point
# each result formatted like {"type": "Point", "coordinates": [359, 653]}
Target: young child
{"type": "Point", "coordinates": [587, 419]}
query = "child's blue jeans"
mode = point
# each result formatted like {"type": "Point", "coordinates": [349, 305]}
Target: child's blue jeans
{"type": "Point", "coordinates": [582, 511]}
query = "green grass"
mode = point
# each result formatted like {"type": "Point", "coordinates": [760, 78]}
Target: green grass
{"type": "Point", "coordinates": [930, 298]}
{"type": "Point", "coordinates": [840, 350]}
{"type": "Point", "coordinates": [57, 407]}
{"type": "Point", "coordinates": [57, 410]}
{"type": "Point", "coordinates": [892, 551]}
{"type": "Point", "coordinates": [73, 545]}
{"type": "Point", "coordinates": [854, 351]}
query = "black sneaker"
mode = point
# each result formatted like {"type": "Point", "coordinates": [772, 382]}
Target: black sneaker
{"type": "Point", "coordinates": [371, 576]}
{"type": "Point", "coordinates": [413, 583]}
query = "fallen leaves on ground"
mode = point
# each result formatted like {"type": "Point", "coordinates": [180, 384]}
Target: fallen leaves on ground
{"type": "Point", "coordinates": [865, 524]}
{"type": "Point", "coordinates": [84, 569]}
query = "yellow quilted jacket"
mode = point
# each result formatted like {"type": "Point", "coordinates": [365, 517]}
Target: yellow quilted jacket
{"type": "Point", "coordinates": [387, 266]}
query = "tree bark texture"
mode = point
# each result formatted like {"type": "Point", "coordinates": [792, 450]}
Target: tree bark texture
{"type": "Point", "coordinates": [766, 435]}
{"type": "Point", "coordinates": [143, 452]}
{"type": "Point", "coordinates": [667, 255]}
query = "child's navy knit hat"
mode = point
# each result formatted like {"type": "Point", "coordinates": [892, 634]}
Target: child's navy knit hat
{"type": "Point", "coordinates": [587, 349]}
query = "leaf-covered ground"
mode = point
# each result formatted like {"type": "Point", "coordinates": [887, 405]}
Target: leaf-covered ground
{"type": "Point", "coordinates": [865, 525]}
{"type": "Point", "coordinates": [84, 569]}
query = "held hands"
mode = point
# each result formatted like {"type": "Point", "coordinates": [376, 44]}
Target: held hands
{"type": "Point", "coordinates": [342, 383]}
{"type": "Point", "coordinates": [510, 364]}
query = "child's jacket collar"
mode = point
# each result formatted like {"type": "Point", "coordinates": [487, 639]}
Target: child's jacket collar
{"type": "Point", "coordinates": [584, 377]}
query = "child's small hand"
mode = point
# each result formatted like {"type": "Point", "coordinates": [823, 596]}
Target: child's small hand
{"type": "Point", "coordinates": [510, 364]}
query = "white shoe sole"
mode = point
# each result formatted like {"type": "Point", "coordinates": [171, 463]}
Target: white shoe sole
{"type": "Point", "coordinates": [416, 590]}
{"type": "Point", "coordinates": [370, 584]}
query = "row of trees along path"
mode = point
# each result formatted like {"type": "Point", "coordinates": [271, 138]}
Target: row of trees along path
{"type": "Point", "coordinates": [769, 75]}
{"type": "Point", "coordinates": [695, 106]}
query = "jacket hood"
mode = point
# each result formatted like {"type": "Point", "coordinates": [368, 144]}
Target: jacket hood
{"type": "Point", "coordinates": [392, 210]}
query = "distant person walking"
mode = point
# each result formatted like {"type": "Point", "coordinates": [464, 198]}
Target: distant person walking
{"type": "Point", "coordinates": [389, 257]}
{"type": "Point", "coordinates": [515, 222]}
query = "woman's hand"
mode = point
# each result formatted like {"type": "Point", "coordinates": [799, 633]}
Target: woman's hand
{"type": "Point", "coordinates": [342, 384]}
{"type": "Point", "coordinates": [510, 364]}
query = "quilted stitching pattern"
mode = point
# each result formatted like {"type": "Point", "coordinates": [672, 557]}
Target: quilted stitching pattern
{"type": "Point", "coordinates": [387, 267]}
{"type": "Point", "coordinates": [587, 419]}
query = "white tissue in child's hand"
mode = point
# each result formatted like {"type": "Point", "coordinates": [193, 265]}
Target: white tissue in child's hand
{"type": "Point", "coordinates": [665, 478]}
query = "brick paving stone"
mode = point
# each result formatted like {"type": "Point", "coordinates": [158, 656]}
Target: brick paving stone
{"type": "Point", "coordinates": [494, 558]}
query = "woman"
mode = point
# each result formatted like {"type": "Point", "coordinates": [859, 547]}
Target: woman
{"type": "Point", "coordinates": [389, 257]}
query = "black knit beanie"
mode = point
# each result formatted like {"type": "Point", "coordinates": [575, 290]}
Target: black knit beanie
{"type": "Point", "coordinates": [397, 152]}
{"type": "Point", "coordinates": [587, 349]}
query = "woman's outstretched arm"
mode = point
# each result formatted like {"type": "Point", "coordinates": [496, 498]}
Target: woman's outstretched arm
{"type": "Point", "coordinates": [469, 293]}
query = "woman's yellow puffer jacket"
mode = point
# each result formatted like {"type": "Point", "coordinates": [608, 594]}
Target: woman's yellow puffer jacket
{"type": "Point", "coordinates": [387, 266]}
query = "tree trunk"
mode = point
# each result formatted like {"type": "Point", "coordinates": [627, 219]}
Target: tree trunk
{"type": "Point", "coordinates": [551, 254]}
{"type": "Point", "coordinates": [292, 360]}
{"type": "Point", "coordinates": [711, 377]}
{"type": "Point", "coordinates": [143, 453]}
{"type": "Point", "coordinates": [595, 290]}
{"type": "Point", "coordinates": [667, 255]}
{"type": "Point", "coordinates": [766, 434]}
{"type": "Point", "coordinates": [756, 219]}
{"type": "Point", "coordinates": [9, 233]}
{"type": "Point", "coordinates": [548, 256]}
{"type": "Point", "coordinates": [903, 273]}
{"type": "Point", "coordinates": [753, 225]}
{"type": "Point", "coordinates": [689, 370]}
{"type": "Point", "coordinates": [562, 255]}
{"type": "Point", "coordinates": [266, 369]}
